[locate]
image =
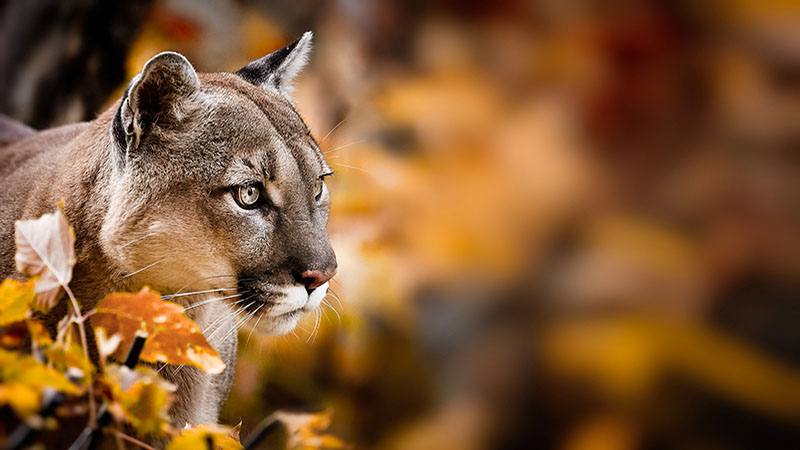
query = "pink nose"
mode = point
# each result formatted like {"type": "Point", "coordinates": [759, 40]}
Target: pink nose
{"type": "Point", "coordinates": [316, 278]}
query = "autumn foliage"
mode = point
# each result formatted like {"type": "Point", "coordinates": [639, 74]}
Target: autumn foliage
{"type": "Point", "coordinates": [46, 379]}
{"type": "Point", "coordinates": [171, 337]}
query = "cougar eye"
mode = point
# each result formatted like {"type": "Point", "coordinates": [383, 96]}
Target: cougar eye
{"type": "Point", "coordinates": [318, 189]}
{"type": "Point", "coordinates": [320, 185]}
{"type": "Point", "coordinates": [248, 196]}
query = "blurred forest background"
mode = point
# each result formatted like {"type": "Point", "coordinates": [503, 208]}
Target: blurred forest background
{"type": "Point", "coordinates": [559, 224]}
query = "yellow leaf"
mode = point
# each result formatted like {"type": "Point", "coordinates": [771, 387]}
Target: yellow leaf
{"type": "Point", "coordinates": [24, 399]}
{"type": "Point", "coordinates": [70, 355]}
{"type": "Point", "coordinates": [15, 300]}
{"type": "Point", "coordinates": [39, 333]}
{"type": "Point", "coordinates": [143, 397]}
{"type": "Point", "coordinates": [231, 432]}
{"type": "Point", "coordinates": [22, 380]}
{"type": "Point", "coordinates": [172, 337]}
{"type": "Point", "coordinates": [200, 436]}
{"type": "Point", "coordinates": [45, 248]}
{"type": "Point", "coordinates": [147, 411]}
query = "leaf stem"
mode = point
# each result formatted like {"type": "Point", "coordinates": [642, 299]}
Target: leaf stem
{"type": "Point", "coordinates": [132, 440]}
{"type": "Point", "coordinates": [118, 439]}
{"type": "Point", "coordinates": [78, 318]}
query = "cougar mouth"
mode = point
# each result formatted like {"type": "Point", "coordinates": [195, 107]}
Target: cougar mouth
{"type": "Point", "coordinates": [278, 307]}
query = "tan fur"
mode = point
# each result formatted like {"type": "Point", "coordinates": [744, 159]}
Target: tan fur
{"type": "Point", "coordinates": [149, 188]}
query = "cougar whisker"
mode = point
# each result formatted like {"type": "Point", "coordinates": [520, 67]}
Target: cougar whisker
{"type": "Point", "coordinates": [360, 141]}
{"type": "Point", "coordinates": [334, 295]}
{"type": "Point", "coordinates": [326, 303]}
{"type": "Point", "coordinates": [211, 300]}
{"type": "Point", "coordinates": [335, 127]}
{"type": "Point", "coordinates": [204, 279]}
{"type": "Point", "coordinates": [234, 327]}
{"type": "Point", "coordinates": [314, 330]}
{"type": "Point", "coordinates": [140, 270]}
{"type": "Point", "coordinates": [184, 294]}
{"type": "Point", "coordinates": [253, 328]}
{"type": "Point", "coordinates": [138, 239]}
{"type": "Point", "coordinates": [208, 338]}
{"type": "Point", "coordinates": [353, 167]}
{"type": "Point", "coordinates": [241, 321]}
{"type": "Point", "coordinates": [222, 316]}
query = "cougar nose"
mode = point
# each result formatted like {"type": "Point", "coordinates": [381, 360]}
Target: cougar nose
{"type": "Point", "coordinates": [313, 279]}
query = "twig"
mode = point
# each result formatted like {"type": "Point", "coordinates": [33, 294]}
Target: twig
{"type": "Point", "coordinates": [132, 440]}
{"type": "Point", "coordinates": [267, 428]}
{"type": "Point", "coordinates": [76, 311]}
{"type": "Point", "coordinates": [118, 439]}
{"type": "Point", "coordinates": [88, 439]}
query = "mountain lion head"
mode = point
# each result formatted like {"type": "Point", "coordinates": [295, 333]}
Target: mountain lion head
{"type": "Point", "coordinates": [217, 188]}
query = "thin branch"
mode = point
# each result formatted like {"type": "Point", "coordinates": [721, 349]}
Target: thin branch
{"type": "Point", "coordinates": [78, 319]}
{"type": "Point", "coordinates": [120, 443]}
{"type": "Point", "coordinates": [132, 440]}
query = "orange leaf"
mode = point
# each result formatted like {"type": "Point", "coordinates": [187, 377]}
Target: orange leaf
{"type": "Point", "coordinates": [172, 337]}
{"type": "Point", "coordinates": [45, 248]}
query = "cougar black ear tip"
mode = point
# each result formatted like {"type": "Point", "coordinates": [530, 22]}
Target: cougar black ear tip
{"type": "Point", "coordinates": [303, 42]}
{"type": "Point", "coordinates": [277, 70]}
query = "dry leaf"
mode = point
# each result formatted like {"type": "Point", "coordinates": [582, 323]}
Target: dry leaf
{"type": "Point", "coordinates": [307, 431]}
{"type": "Point", "coordinates": [172, 337]}
{"type": "Point", "coordinates": [45, 248]}
{"type": "Point", "coordinates": [22, 380]}
{"type": "Point", "coordinates": [220, 438]}
{"type": "Point", "coordinates": [15, 300]}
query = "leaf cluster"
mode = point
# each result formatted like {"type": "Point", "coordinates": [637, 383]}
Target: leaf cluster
{"type": "Point", "coordinates": [46, 378]}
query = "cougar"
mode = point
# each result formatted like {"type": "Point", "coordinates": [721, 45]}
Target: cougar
{"type": "Point", "coordinates": [207, 187]}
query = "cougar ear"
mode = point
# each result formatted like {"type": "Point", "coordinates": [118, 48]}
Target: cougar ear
{"type": "Point", "coordinates": [277, 70]}
{"type": "Point", "coordinates": [156, 96]}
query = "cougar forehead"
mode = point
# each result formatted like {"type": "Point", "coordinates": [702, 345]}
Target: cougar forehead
{"type": "Point", "coordinates": [230, 121]}
{"type": "Point", "coordinates": [235, 133]}
{"type": "Point", "coordinates": [282, 147]}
